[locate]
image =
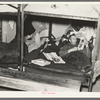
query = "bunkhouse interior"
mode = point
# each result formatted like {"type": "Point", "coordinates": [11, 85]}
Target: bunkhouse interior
{"type": "Point", "coordinates": [49, 47]}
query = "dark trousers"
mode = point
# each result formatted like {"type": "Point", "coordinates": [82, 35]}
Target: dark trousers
{"type": "Point", "coordinates": [33, 55]}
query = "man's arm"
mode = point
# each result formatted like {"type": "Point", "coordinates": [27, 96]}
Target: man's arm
{"type": "Point", "coordinates": [73, 49]}
{"type": "Point", "coordinates": [33, 41]}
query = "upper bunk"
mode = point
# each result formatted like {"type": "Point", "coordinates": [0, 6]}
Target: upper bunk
{"type": "Point", "coordinates": [64, 10]}
{"type": "Point", "coordinates": [8, 9]}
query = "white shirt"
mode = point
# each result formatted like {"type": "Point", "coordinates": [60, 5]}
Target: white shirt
{"type": "Point", "coordinates": [37, 40]}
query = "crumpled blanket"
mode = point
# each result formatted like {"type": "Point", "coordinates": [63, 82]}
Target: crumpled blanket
{"type": "Point", "coordinates": [8, 49]}
{"type": "Point", "coordinates": [78, 60]}
{"type": "Point", "coordinates": [8, 54]}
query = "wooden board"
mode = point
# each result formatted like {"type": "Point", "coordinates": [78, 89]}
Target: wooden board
{"type": "Point", "coordinates": [29, 81]}
{"type": "Point", "coordinates": [36, 86]}
{"type": "Point", "coordinates": [61, 16]}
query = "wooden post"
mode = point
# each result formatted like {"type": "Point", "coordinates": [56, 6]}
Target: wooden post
{"type": "Point", "coordinates": [50, 30]}
{"type": "Point", "coordinates": [98, 39]}
{"type": "Point", "coordinates": [98, 57]}
{"type": "Point", "coordinates": [22, 36]}
{"type": "Point", "coordinates": [96, 54]}
{"type": "Point", "coordinates": [19, 34]}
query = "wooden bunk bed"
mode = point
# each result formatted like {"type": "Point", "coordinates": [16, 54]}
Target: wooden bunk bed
{"type": "Point", "coordinates": [12, 12]}
{"type": "Point", "coordinates": [43, 78]}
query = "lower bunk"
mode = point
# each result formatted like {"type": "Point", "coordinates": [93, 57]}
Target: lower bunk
{"type": "Point", "coordinates": [50, 78]}
{"type": "Point", "coordinates": [71, 75]}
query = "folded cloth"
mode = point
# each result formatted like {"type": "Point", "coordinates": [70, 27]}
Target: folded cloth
{"type": "Point", "coordinates": [40, 62]}
{"type": "Point", "coordinates": [96, 70]}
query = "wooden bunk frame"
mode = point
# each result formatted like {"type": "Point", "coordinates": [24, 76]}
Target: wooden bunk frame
{"type": "Point", "coordinates": [8, 76]}
{"type": "Point", "coordinates": [50, 28]}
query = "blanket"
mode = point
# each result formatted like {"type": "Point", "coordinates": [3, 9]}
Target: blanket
{"type": "Point", "coordinates": [9, 53]}
{"type": "Point", "coordinates": [78, 60]}
{"type": "Point", "coordinates": [8, 49]}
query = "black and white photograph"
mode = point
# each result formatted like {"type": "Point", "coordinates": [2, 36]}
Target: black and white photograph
{"type": "Point", "coordinates": [50, 47]}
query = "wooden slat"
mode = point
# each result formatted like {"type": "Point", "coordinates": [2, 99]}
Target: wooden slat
{"type": "Point", "coordinates": [50, 30]}
{"type": "Point", "coordinates": [40, 78]}
{"type": "Point", "coordinates": [18, 33]}
{"type": "Point", "coordinates": [22, 36]}
{"type": "Point", "coordinates": [98, 38]}
{"type": "Point", "coordinates": [61, 16]}
{"type": "Point", "coordinates": [58, 70]}
{"type": "Point", "coordinates": [36, 86]}
{"type": "Point", "coordinates": [97, 41]}
{"type": "Point", "coordinates": [9, 13]}
{"type": "Point", "coordinates": [12, 6]}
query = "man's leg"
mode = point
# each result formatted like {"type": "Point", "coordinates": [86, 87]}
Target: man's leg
{"type": "Point", "coordinates": [32, 55]}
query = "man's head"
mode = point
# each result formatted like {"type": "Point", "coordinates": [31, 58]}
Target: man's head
{"type": "Point", "coordinates": [73, 39]}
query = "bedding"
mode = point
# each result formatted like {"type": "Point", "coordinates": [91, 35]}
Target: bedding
{"type": "Point", "coordinates": [9, 54]}
{"type": "Point", "coordinates": [78, 60]}
{"type": "Point", "coordinates": [69, 70]}
{"type": "Point", "coordinates": [8, 49]}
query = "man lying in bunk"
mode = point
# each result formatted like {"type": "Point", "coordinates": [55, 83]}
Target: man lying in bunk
{"type": "Point", "coordinates": [64, 39]}
{"type": "Point", "coordinates": [77, 54]}
{"type": "Point", "coordinates": [57, 43]}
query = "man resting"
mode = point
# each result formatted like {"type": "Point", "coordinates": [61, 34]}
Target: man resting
{"type": "Point", "coordinates": [76, 52]}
